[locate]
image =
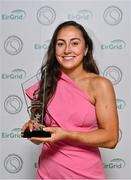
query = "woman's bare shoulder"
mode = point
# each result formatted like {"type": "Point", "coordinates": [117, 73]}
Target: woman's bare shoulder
{"type": "Point", "coordinates": [100, 81]}
{"type": "Point", "coordinates": [101, 85]}
{"type": "Point", "coordinates": [96, 86]}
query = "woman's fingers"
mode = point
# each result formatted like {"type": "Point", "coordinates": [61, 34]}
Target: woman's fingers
{"type": "Point", "coordinates": [32, 124]}
{"type": "Point", "coordinates": [28, 125]}
{"type": "Point", "coordinates": [49, 129]}
{"type": "Point", "coordinates": [24, 127]}
{"type": "Point", "coordinates": [41, 140]}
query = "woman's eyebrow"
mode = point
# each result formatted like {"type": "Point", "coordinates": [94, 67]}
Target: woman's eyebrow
{"type": "Point", "coordinates": [75, 39]}
{"type": "Point", "coordinates": [60, 39]}
{"type": "Point", "coordinates": [70, 40]}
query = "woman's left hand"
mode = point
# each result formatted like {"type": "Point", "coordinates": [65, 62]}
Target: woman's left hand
{"type": "Point", "coordinates": [57, 134]}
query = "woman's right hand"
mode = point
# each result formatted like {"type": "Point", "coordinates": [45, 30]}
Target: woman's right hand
{"type": "Point", "coordinates": [31, 125]}
{"type": "Point", "coordinates": [28, 125]}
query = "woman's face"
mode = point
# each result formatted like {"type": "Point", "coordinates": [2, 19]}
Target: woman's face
{"type": "Point", "coordinates": [70, 48]}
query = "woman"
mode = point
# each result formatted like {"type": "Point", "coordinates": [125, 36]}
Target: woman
{"type": "Point", "coordinates": [80, 108]}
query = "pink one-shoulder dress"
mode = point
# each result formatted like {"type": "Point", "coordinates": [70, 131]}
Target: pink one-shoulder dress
{"type": "Point", "coordinates": [72, 110]}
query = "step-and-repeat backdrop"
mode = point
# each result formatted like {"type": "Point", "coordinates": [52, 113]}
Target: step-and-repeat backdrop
{"type": "Point", "coordinates": [26, 29]}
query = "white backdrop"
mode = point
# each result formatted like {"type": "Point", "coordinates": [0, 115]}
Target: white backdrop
{"type": "Point", "coordinates": [26, 28]}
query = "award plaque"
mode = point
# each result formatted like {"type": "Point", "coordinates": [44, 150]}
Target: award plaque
{"type": "Point", "coordinates": [35, 107]}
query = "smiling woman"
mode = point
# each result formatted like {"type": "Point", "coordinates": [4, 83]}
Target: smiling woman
{"type": "Point", "coordinates": [77, 105]}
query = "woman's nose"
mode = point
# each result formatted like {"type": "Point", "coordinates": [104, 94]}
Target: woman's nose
{"type": "Point", "coordinates": [67, 49]}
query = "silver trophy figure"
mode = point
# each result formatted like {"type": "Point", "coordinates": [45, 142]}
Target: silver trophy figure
{"type": "Point", "coordinates": [35, 108]}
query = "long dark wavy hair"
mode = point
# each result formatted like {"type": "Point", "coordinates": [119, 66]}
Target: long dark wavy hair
{"type": "Point", "coordinates": [52, 66]}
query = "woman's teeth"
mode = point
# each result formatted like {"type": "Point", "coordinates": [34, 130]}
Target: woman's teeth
{"type": "Point", "coordinates": [68, 58]}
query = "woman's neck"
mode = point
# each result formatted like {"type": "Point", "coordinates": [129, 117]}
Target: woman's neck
{"type": "Point", "coordinates": [74, 74]}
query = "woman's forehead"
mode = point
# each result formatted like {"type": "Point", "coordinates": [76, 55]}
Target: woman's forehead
{"type": "Point", "coordinates": [69, 31]}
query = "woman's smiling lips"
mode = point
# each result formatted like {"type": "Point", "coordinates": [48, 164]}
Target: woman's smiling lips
{"type": "Point", "coordinates": [68, 57]}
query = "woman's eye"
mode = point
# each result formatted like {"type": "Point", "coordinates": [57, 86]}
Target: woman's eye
{"type": "Point", "coordinates": [75, 43]}
{"type": "Point", "coordinates": [60, 44]}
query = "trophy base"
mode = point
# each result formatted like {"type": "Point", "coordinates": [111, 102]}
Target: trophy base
{"type": "Point", "coordinates": [36, 133]}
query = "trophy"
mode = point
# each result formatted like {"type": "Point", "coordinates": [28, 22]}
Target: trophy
{"type": "Point", "coordinates": [35, 107]}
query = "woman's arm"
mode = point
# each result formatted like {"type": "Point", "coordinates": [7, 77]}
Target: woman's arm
{"type": "Point", "coordinates": [106, 110]}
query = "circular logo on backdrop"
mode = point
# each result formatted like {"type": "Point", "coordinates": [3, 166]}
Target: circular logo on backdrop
{"type": "Point", "coordinates": [13, 163]}
{"type": "Point", "coordinates": [112, 15]}
{"type": "Point", "coordinates": [13, 45]}
{"type": "Point", "coordinates": [120, 104]}
{"type": "Point", "coordinates": [46, 15]}
{"type": "Point", "coordinates": [13, 104]}
{"type": "Point", "coordinates": [113, 73]}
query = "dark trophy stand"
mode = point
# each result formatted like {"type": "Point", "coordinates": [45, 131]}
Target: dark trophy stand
{"type": "Point", "coordinates": [35, 109]}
